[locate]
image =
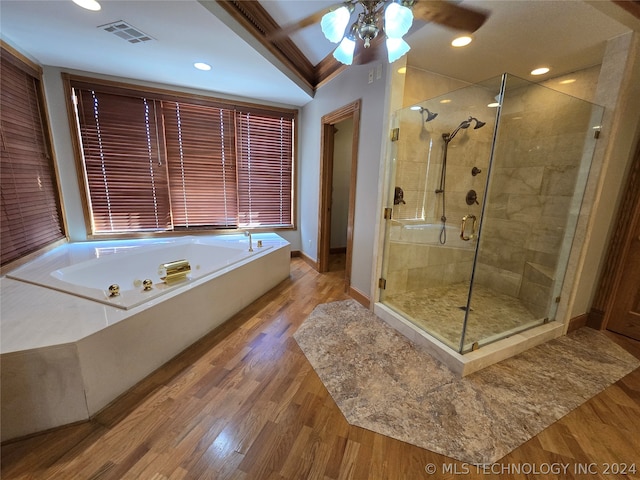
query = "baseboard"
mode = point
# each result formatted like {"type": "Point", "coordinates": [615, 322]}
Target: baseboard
{"type": "Point", "coordinates": [359, 297]}
{"type": "Point", "coordinates": [595, 319]}
{"type": "Point", "coordinates": [306, 258]}
{"type": "Point", "coordinates": [578, 322]}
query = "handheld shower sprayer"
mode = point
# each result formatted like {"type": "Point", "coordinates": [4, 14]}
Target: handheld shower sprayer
{"type": "Point", "coordinates": [447, 137]}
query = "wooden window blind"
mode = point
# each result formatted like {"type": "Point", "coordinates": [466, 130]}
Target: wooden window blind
{"type": "Point", "coordinates": [162, 161]}
{"type": "Point", "coordinates": [125, 171]}
{"type": "Point", "coordinates": [265, 168]}
{"type": "Point", "coordinates": [31, 213]}
{"type": "Point", "coordinates": [202, 167]}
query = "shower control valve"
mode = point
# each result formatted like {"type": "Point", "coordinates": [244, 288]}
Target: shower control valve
{"type": "Point", "coordinates": [472, 197]}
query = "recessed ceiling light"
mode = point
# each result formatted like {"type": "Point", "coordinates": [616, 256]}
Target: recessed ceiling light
{"type": "Point", "coordinates": [539, 71]}
{"type": "Point", "coordinates": [446, 100]}
{"type": "Point", "coordinates": [493, 105]}
{"type": "Point", "coordinates": [567, 81]}
{"type": "Point", "coordinates": [202, 66]}
{"type": "Point", "coordinates": [461, 41]}
{"type": "Point", "coordinates": [402, 70]}
{"type": "Point", "coordinates": [88, 4]}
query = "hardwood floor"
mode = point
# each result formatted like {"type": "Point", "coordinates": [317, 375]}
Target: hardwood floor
{"type": "Point", "coordinates": [244, 403]}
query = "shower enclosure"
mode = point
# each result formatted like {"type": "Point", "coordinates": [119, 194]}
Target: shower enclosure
{"type": "Point", "coordinates": [485, 187]}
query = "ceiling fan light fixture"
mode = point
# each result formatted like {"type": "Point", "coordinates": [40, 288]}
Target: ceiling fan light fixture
{"type": "Point", "coordinates": [397, 20]}
{"type": "Point", "coordinates": [344, 52]}
{"type": "Point", "coordinates": [334, 23]}
{"type": "Point", "coordinates": [396, 48]}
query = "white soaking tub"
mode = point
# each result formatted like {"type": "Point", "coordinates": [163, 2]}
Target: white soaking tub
{"type": "Point", "coordinates": [68, 349]}
{"type": "Point", "coordinates": [87, 270]}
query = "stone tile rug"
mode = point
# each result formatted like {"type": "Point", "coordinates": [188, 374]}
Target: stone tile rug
{"type": "Point", "coordinates": [384, 383]}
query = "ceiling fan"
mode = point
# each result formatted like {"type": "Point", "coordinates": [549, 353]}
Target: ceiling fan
{"type": "Point", "coordinates": [376, 21]}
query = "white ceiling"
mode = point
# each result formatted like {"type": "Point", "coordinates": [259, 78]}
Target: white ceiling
{"type": "Point", "coordinates": [518, 36]}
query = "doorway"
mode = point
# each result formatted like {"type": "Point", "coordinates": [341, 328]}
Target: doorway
{"type": "Point", "coordinates": [338, 170]}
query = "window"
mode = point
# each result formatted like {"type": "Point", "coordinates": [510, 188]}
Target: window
{"type": "Point", "coordinates": [159, 162]}
{"type": "Point", "coordinates": [31, 214]}
{"type": "Point", "coordinates": [265, 168]}
{"type": "Point", "coordinates": [125, 173]}
{"type": "Point", "coordinates": [201, 162]}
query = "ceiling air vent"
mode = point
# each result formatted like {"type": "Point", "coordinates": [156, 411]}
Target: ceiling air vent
{"type": "Point", "coordinates": [126, 32]}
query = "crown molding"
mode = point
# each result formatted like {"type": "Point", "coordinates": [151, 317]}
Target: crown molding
{"type": "Point", "coordinates": [255, 20]}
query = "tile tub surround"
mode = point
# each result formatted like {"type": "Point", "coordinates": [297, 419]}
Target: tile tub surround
{"type": "Point", "coordinates": [64, 357]}
{"type": "Point", "coordinates": [384, 383]}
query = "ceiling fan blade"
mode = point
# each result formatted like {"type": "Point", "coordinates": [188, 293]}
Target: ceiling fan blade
{"type": "Point", "coordinates": [287, 30]}
{"type": "Point", "coordinates": [449, 14]}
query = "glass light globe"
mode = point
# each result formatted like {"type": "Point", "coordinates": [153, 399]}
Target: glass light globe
{"type": "Point", "coordinates": [344, 52]}
{"type": "Point", "coordinates": [334, 23]}
{"type": "Point", "coordinates": [397, 20]}
{"type": "Point", "coordinates": [396, 48]}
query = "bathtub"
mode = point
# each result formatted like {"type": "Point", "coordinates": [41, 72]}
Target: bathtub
{"type": "Point", "coordinates": [68, 349]}
{"type": "Point", "coordinates": [88, 270]}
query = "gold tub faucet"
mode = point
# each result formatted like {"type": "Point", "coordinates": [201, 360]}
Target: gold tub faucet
{"type": "Point", "coordinates": [172, 271]}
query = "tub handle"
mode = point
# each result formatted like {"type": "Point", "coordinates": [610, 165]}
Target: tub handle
{"type": "Point", "coordinates": [473, 227]}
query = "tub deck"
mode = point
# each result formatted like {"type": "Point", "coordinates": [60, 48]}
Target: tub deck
{"type": "Point", "coordinates": [64, 357]}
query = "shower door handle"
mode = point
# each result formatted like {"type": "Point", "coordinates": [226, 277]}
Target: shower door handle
{"type": "Point", "coordinates": [464, 226]}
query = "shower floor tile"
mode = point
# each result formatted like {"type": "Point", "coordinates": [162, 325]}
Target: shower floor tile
{"type": "Point", "coordinates": [440, 311]}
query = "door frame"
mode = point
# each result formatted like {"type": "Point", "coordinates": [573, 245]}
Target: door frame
{"type": "Point", "coordinates": [619, 245]}
{"type": "Point", "coordinates": [349, 111]}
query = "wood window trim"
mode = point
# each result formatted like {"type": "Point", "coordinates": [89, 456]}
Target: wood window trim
{"type": "Point", "coordinates": [28, 67]}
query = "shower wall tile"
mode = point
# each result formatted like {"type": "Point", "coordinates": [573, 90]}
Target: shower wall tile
{"type": "Point", "coordinates": [549, 260]}
{"type": "Point", "coordinates": [584, 84]}
{"type": "Point", "coordinates": [559, 180]}
{"type": "Point", "coordinates": [418, 278]}
{"type": "Point", "coordinates": [498, 279]}
{"type": "Point", "coordinates": [509, 258]}
{"type": "Point", "coordinates": [523, 180]}
{"type": "Point", "coordinates": [396, 282]}
{"type": "Point", "coordinates": [539, 274]}
{"type": "Point", "coordinates": [536, 297]}
{"type": "Point", "coordinates": [545, 239]}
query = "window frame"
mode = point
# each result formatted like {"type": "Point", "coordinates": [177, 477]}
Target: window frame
{"type": "Point", "coordinates": [14, 57]}
{"type": "Point", "coordinates": [160, 94]}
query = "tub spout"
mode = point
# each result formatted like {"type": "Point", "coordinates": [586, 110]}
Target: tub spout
{"type": "Point", "coordinates": [247, 233]}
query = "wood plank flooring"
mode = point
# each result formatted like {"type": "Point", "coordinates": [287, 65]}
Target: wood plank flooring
{"type": "Point", "coordinates": [244, 403]}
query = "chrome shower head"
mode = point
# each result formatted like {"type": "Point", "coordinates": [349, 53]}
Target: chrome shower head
{"type": "Point", "coordinates": [430, 115]}
{"type": "Point", "coordinates": [479, 124]}
{"type": "Point", "coordinates": [463, 125]}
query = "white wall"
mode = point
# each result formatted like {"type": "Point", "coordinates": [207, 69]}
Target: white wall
{"type": "Point", "coordinates": [350, 85]}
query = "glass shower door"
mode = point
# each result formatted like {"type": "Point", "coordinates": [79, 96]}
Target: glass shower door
{"type": "Point", "coordinates": [506, 156]}
{"type": "Point", "coordinates": [441, 144]}
{"type": "Point", "coordinates": [540, 163]}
